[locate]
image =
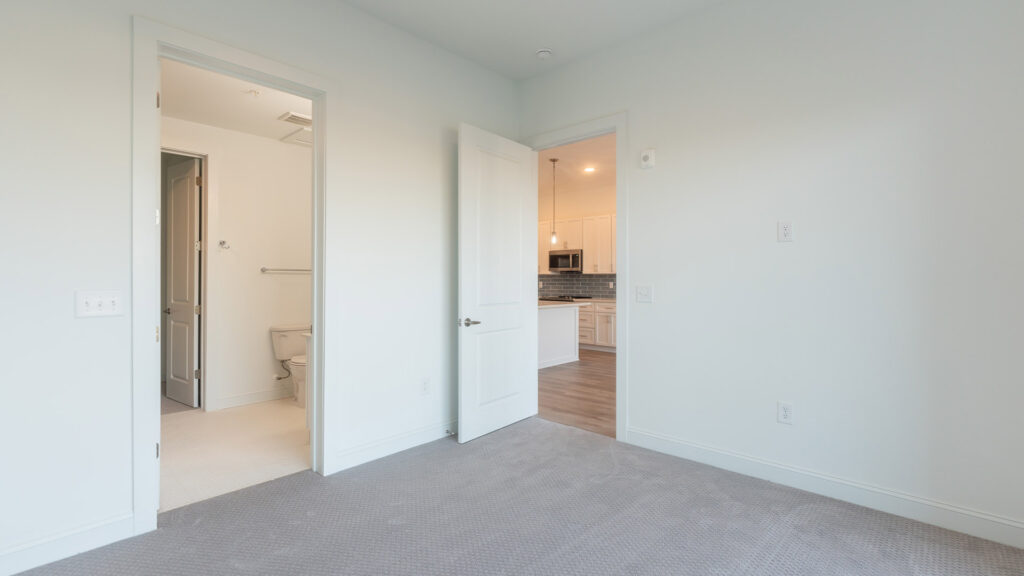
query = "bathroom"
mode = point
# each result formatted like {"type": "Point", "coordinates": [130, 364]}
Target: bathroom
{"type": "Point", "coordinates": [236, 280]}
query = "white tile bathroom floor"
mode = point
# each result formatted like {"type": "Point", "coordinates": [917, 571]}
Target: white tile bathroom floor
{"type": "Point", "coordinates": [206, 454]}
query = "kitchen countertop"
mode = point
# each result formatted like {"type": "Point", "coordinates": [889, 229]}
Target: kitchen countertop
{"type": "Point", "coordinates": [556, 304]}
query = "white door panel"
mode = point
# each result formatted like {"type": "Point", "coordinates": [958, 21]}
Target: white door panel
{"type": "Point", "coordinates": [182, 225]}
{"type": "Point", "coordinates": [497, 282]}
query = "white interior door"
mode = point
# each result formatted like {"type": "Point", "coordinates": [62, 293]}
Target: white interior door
{"type": "Point", "coordinates": [497, 282]}
{"type": "Point", "coordinates": [182, 226]}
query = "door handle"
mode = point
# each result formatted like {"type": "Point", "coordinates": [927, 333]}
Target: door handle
{"type": "Point", "coordinates": [167, 310]}
{"type": "Point", "coordinates": [467, 322]}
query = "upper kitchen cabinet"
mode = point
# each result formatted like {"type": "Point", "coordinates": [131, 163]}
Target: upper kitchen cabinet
{"type": "Point", "coordinates": [615, 242]}
{"type": "Point", "coordinates": [595, 235]}
{"type": "Point", "coordinates": [598, 245]}
{"type": "Point", "coordinates": [543, 245]}
{"type": "Point", "coordinates": [570, 235]}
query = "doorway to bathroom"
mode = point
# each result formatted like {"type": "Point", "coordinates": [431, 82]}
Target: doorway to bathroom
{"type": "Point", "coordinates": [236, 283]}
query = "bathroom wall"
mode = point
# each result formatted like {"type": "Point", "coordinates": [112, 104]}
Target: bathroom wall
{"type": "Point", "coordinates": [260, 203]}
{"type": "Point", "coordinates": [594, 285]}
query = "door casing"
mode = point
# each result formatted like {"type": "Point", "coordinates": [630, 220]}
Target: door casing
{"type": "Point", "coordinates": [151, 42]}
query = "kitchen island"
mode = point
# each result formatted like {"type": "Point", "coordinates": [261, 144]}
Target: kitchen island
{"type": "Point", "coordinates": [558, 327]}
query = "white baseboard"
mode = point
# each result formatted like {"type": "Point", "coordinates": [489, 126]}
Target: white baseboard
{"type": "Point", "coordinates": [1000, 529]}
{"type": "Point", "coordinates": [39, 552]}
{"type": "Point", "coordinates": [558, 361]}
{"type": "Point", "coordinates": [363, 453]}
{"type": "Point", "coordinates": [250, 398]}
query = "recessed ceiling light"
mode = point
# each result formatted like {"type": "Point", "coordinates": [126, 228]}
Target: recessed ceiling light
{"type": "Point", "coordinates": [588, 169]}
{"type": "Point", "coordinates": [544, 53]}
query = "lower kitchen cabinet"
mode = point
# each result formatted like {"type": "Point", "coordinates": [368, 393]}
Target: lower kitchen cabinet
{"type": "Point", "coordinates": [597, 324]}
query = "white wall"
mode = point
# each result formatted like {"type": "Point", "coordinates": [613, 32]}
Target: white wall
{"type": "Point", "coordinates": [260, 202]}
{"type": "Point", "coordinates": [889, 134]}
{"type": "Point", "coordinates": [65, 420]}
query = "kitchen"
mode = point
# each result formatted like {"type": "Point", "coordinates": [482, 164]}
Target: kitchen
{"type": "Point", "coordinates": [577, 284]}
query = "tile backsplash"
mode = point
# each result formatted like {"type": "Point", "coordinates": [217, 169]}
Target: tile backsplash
{"type": "Point", "coordinates": [595, 285]}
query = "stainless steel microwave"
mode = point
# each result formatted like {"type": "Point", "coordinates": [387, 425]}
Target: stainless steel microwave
{"type": "Point", "coordinates": [565, 261]}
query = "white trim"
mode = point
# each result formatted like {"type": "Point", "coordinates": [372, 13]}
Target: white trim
{"type": "Point", "coordinates": [68, 543]}
{"type": "Point", "coordinates": [392, 445]}
{"type": "Point", "coordinates": [944, 514]}
{"type": "Point", "coordinates": [276, 393]}
{"type": "Point", "coordinates": [616, 123]}
{"type": "Point", "coordinates": [150, 42]}
{"type": "Point", "coordinates": [596, 348]}
{"type": "Point", "coordinates": [559, 361]}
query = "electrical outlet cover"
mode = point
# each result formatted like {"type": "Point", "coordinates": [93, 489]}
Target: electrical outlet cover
{"type": "Point", "coordinates": [785, 413]}
{"type": "Point", "coordinates": [785, 231]}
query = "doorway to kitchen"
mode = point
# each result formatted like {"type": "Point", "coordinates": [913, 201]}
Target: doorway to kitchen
{"type": "Point", "coordinates": [577, 281]}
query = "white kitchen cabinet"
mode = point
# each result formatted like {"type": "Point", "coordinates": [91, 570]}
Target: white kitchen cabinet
{"type": "Point", "coordinates": [605, 330]}
{"type": "Point", "coordinates": [595, 235]}
{"type": "Point", "coordinates": [615, 242]}
{"type": "Point", "coordinates": [598, 241]}
{"type": "Point", "coordinates": [570, 235]}
{"type": "Point", "coordinates": [597, 325]}
{"type": "Point", "coordinates": [543, 245]}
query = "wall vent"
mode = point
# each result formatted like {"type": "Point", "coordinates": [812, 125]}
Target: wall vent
{"type": "Point", "coordinates": [296, 118]}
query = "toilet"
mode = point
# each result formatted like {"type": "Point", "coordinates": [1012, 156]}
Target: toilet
{"type": "Point", "coordinates": [289, 342]}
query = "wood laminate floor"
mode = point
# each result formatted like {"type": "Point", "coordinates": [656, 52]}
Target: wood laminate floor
{"type": "Point", "coordinates": [581, 394]}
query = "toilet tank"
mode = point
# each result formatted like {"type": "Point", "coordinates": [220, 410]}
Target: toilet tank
{"type": "Point", "coordinates": [288, 340]}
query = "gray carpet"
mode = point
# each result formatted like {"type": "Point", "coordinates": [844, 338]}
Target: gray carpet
{"type": "Point", "coordinates": [537, 498]}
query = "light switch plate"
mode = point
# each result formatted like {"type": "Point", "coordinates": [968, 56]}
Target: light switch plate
{"type": "Point", "coordinates": [644, 294]}
{"type": "Point", "coordinates": [94, 303]}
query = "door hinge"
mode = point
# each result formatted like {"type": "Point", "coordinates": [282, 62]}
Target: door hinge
{"type": "Point", "coordinates": [157, 333]}
{"type": "Point", "coordinates": [199, 245]}
{"type": "Point", "coordinates": [157, 449]}
{"type": "Point", "coordinates": [198, 374]}
{"type": "Point", "coordinates": [199, 309]}
{"type": "Point", "coordinates": [157, 99]}
{"type": "Point", "coordinates": [199, 180]}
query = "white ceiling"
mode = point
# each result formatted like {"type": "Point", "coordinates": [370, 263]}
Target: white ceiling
{"type": "Point", "coordinates": [505, 36]}
{"type": "Point", "coordinates": [198, 95]}
{"type": "Point", "coordinates": [597, 153]}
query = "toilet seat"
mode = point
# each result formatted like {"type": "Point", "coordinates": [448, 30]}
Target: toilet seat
{"type": "Point", "coordinates": [298, 361]}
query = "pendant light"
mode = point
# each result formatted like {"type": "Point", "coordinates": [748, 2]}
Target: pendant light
{"type": "Point", "coordinates": [554, 236]}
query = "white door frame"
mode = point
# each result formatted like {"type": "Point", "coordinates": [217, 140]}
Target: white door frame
{"type": "Point", "coordinates": [150, 42]}
{"type": "Point", "coordinates": [616, 124]}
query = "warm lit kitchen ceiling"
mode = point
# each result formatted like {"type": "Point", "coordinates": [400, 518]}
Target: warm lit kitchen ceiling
{"type": "Point", "coordinates": [573, 160]}
{"type": "Point", "coordinates": [505, 36]}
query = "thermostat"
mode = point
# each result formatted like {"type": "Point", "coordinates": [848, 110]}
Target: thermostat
{"type": "Point", "coordinates": [647, 159]}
